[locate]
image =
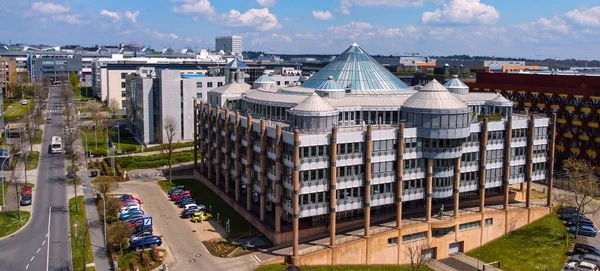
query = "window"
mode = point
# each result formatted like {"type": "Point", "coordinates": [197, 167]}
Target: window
{"type": "Point", "coordinates": [392, 241]}
{"type": "Point", "coordinates": [198, 84]}
{"type": "Point", "coordinates": [414, 237]}
{"type": "Point", "coordinates": [489, 222]}
{"type": "Point", "coordinates": [219, 84]}
{"type": "Point", "coordinates": [123, 75]}
{"type": "Point", "coordinates": [123, 94]}
{"type": "Point", "coordinates": [287, 83]}
{"type": "Point", "coordinates": [468, 226]}
{"type": "Point", "coordinates": [209, 84]}
{"type": "Point", "coordinates": [123, 85]}
{"type": "Point", "coordinates": [199, 95]}
{"type": "Point", "coordinates": [442, 231]}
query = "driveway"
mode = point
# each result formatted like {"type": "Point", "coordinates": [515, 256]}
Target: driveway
{"type": "Point", "coordinates": [182, 237]}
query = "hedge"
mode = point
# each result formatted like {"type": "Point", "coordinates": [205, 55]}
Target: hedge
{"type": "Point", "coordinates": [153, 161]}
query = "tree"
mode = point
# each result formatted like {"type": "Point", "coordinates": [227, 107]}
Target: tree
{"type": "Point", "coordinates": [168, 147]}
{"type": "Point", "coordinates": [112, 207]}
{"type": "Point", "coordinates": [105, 184]}
{"type": "Point", "coordinates": [30, 127]}
{"type": "Point", "coordinates": [113, 107]}
{"type": "Point", "coordinates": [74, 81]}
{"type": "Point", "coordinates": [118, 235]}
{"type": "Point", "coordinates": [71, 134]}
{"type": "Point", "coordinates": [94, 108]}
{"type": "Point", "coordinates": [583, 177]}
{"type": "Point", "coordinates": [416, 253]}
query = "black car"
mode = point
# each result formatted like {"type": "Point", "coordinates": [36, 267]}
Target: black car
{"type": "Point", "coordinates": [102, 173]}
{"type": "Point", "coordinates": [582, 221]}
{"type": "Point", "coordinates": [93, 173]}
{"type": "Point", "coordinates": [125, 197]}
{"type": "Point", "coordinates": [139, 228]}
{"type": "Point", "coordinates": [183, 203]}
{"type": "Point", "coordinates": [566, 209]}
{"type": "Point", "coordinates": [146, 232]}
{"type": "Point", "coordinates": [179, 187]}
{"type": "Point", "coordinates": [190, 212]}
{"type": "Point", "coordinates": [177, 201]}
{"type": "Point", "coordinates": [569, 215]}
{"type": "Point", "coordinates": [585, 249]}
{"type": "Point", "coordinates": [25, 200]}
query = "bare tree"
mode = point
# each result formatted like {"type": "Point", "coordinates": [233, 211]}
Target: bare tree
{"type": "Point", "coordinates": [105, 185]}
{"type": "Point", "coordinates": [113, 106]}
{"type": "Point", "coordinates": [583, 177]}
{"type": "Point", "coordinates": [416, 253]}
{"type": "Point", "coordinates": [167, 148]}
{"type": "Point", "coordinates": [16, 183]}
{"type": "Point", "coordinates": [94, 108]}
{"type": "Point", "coordinates": [71, 135]}
{"type": "Point", "coordinates": [31, 127]}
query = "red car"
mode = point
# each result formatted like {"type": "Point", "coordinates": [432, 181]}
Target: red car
{"type": "Point", "coordinates": [136, 223]}
{"type": "Point", "coordinates": [48, 120]}
{"type": "Point", "coordinates": [181, 195]}
{"type": "Point", "coordinates": [26, 191]}
{"type": "Point", "coordinates": [123, 203]}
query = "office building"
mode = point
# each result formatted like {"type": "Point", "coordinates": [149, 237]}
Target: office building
{"type": "Point", "coordinates": [352, 146]}
{"type": "Point", "coordinates": [8, 73]}
{"type": "Point", "coordinates": [55, 65]}
{"type": "Point", "coordinates": [229, 44]}
{"type": "Point", "coordinates": [574, 99]}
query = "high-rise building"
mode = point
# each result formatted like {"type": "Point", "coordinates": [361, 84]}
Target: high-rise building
{"type": "Point", "coordinates": [352, 146]}
{"type": "Point", "coordinates": [231, 44]}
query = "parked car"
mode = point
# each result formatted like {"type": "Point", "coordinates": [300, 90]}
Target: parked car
{"type": "Point", "coordinates": [127, 209]}
{"type": "Point", "coordinates": [581, 266]}
{"type": "Point", "coordinates": [25, 200]}
{"type": "Point", "coordinates": [179, 200]}
{"type": "Point", "coordinates": [190, 212]}
{"type": "Point", "coordinates": [179, 193]}
{"type": "Point", "coordinates": [185, 202]}
{"type": "Point", "coordinates": [124, 216]}
{"type": "Point", "coordinates": [137, 222]}
{"type": "Point", "coordinates": [585, 249]}
{"type": "Point", "coordinates": [199, 206]}
{"type": "Point", "coordinates": [128, 200]}
{"type": "Point", "coordinates": [176, 188]}
{"type": "Point", "coordinates": [584, 230]}
{"type": "Point", "coordinates": [48, 120]}
{"type": "Point", "coordinates": [582, 221]}
{"type": "Point", "coordinates": [133, 218]}
{"type": "Point", "coordinates": [569, 215]}
{"type": "Point", "coordinates": [586, 258]}
{"type": "Point", "coordinates": [93, 173]}
{"type": "Point", "coordinates": [144, 233]}
{"type": "Point", "coordinates": [187, 193]}
{"type": "Point", "coordinates": [129, 203]}
{"type": "Point", "coordinates": [24, 102]}
{"type": "Point", "coordinates": [26, 190]}
{"type": "Point", "coordinates": [146, 241]}
{"type": "Point", "coordinates": [566, 209]}
{"type": "Point", "coordinates": [201, 216]}
{"type": "Point", "coordinates": [139, 229]}
{"type": "Point", "coordinates": [125, 196]}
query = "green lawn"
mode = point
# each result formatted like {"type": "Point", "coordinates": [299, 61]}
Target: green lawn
{"type": "Point", "coordinates": [153, 161]}
{"type": "Point", "coordinates": [180, 145]}
{"type": "Point", "coordinates": [37, 137]}
{"type": "Point", "coordinates": [281, 267]}
{"type": "Point", "coordinates": [208, 198]}
{"type": "Point", "coordinates": [79, 237]}
{"type": "Point", "coordinates": [33, 159]}
{"type": "Point", "coordinates": [16, 110]}
{"type": "Point", "coordinates": [127, 142]}
{"type": "Point", "coordinates": [9, 222]}
{"type": "Point", "coordinates": [130, 256]}
{"type": "Point", "coordinates": [540, 245]}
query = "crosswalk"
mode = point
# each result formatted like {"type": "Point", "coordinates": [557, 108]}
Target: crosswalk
{"type": "Point", "coordinates": [55, 110]}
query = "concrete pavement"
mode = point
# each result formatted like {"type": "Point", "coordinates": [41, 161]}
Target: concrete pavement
{"type": "Point", "coordinates": [96, 226]}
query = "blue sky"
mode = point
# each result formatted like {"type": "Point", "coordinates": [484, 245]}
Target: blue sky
{"type": "Point", "coordinates": [532, 28]}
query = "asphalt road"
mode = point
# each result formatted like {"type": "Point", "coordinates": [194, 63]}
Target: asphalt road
{"type": "Point", "coordinates": [29, 249]}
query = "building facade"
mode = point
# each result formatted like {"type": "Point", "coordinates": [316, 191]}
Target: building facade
{"type": "Point", "coordinates": [54, 65]}
{"type": "Point", "coordinates": [232, 44]}
{"type": "Point", "coordinates": [574, 99]}
{"type": "Point", "coordinates": [353, 144]}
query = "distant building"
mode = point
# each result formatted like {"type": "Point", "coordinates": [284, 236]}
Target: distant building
{"type": "Point", "coordinates": [8, 73]}
{"type": "Point", "coordinates": [52, 64]}
{"type": "Point", "coordinates": [232, 44]}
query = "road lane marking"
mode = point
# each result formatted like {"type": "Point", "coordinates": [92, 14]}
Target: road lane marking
{"type": "Point", "coordinates": [26, 266]}
{"type": "Point", "coordinates": [44, 241]}
{"type": "Point", "coordinates": [32, 259]}
{"type": "Point", "coordinates": [48, 235]}
{"type": "Point", "coordinates": [38, 250]}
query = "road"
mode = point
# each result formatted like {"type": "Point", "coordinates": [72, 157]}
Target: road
{"type": "Point", "coordinates": [30, 248]}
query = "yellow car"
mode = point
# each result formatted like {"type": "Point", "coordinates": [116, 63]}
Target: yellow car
{"type": "Point", "coordinates": [201, 216]}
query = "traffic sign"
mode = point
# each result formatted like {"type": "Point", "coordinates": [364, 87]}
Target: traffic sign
{"type": "Point", "coordinates": [147, 221]}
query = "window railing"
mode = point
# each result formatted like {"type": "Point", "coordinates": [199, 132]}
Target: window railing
{"type": "Point", "coordinates": [443, 150]}
{"type": "Point", "coordinates": [313, 182]}
{"type": "Point", "coordinates": [350, 155]}
{"type": "Point", "coordinates": [314, 159]}
{"type": "Point", "coordinates": [413, 170]}
{"type": "Point", "coordinates": [383, 195]}
{"type": "Point", "coordinates": [469, 163]}
{"type": "Point", "coordinates": [411, 191]}
{"type": "Point", "coordinates": [410, 150]}
{"type": "Point", "coordinates": [383, 174]}
{"type": "Point", "coordinates": [384, 152]}
{"type": "Point", "coordinates": [357, 177]}
{"type": "Point", "coordinates": [519, 139]}
{"type": "Point", "coordinates": [443, 169]}
{"type": "Point", "coordinates": [468, 182]}
{"type": "Point", "coordinates": [349, 200]}
{"type": "Point", "coordinates": [313, 205]}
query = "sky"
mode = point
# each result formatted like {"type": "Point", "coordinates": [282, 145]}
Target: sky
{"type": "Point", "coordinates": [511, 28]}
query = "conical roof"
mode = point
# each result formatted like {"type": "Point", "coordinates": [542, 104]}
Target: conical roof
{"type": "Point", "coordinates": [500, 99]}
{"type": "Point", "coordinates": [265, 79]}
{"type": "Point", "coordinates": [356, 69]}
{"type": "Point", "coordinates": [455, 83]}
{"type": "Point", "coordinates": [329, 84]}
{"type": "Point", "coordinates": [434, 96]}
{"type": "Point", "coordinates": [313, 105]}
{"type": "Point", "coordinates": [236, 63]}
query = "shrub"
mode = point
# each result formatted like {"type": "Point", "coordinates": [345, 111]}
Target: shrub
{"type": "Point", "coordinates": [155, 253]}
{"type": "Point", "coordinates": [99, 153]}
{"type": "Point", "coordinates": [134, 264]}
{"type": "Point", "coordinates": [145, 259]}
{"type": "Point", "coordinates": [119, 170]}
{"type": "Point", "coordinates": [128, 148]}
{"type": "Point", "coordinates": [106, 168]}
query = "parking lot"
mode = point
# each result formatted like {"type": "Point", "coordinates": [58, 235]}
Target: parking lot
{"type": "Point", "coordinates": [181, 238]}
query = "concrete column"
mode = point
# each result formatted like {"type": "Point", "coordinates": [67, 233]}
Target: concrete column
{"type": "Point", "coordinates": [201, 140]}
{"type": "Point", "coordinates": [399, 174]}
{"type": "Point", "coordinates": [209, 157]}
{"type": "Point", "coordinates": [249, 161]}
{"type": "Point", "coordinates": [238, 160]}
{"type": "Point", "coordinates": [367, 183]}
{"type": "Point", "coordinates": [218, 154]}
{"type": "Point", "coordinates": [552, 151]}
{"type": "Point", "coordinates": [263, 169]}
{"type": "Point", "coordinates": [428, 189]}
{"type": "Point", "coordinates": [483, 163]}
{"type": "Point", "coordinates": [196, 119]}
{"type": "Point", "coordinates": [332, 186]}
{"type": "Point", "coordinates": [296, 199]}
{"type": "Point", "coordinates": [456, 190]}
{"type": "Point", "coordinates": [529, 159]}
{"type": "Point", "coordinates": [278, 173]}
{"type": "Point", "coordinates": [227, 141]}
{"type": "Point", "coordinates": [506, 172]}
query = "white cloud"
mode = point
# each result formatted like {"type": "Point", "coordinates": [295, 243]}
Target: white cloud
{"type": "Point", "coordinates": [115, 16]}
{"type": "Point", "coordinates": [266, 3]}
{"type": "Point", "coordinates": [346, 4]}
{"type": "Point", "coordinates": [132, 16]}
{"type": "Point", "coordinates": [283, 37]}
{"type": "Point", "coordinates": [194, 6]}
{"type": "Point", "coordinates": [160, 35]}
{"type": "Point", "coordinates": [322, 15]}
{"type": "Point", "coordinates": [462, 12]}
{"type": "Point", "coordinates": [49, 8]}
{"type": "Point", "coordinates": [262, 19]}
{"type": "Point", "coordinates": [552, 25]}
{"type": "Point", "coordinates": [586, 17]}
{"type": "Point", "coordinates": [67, 18]}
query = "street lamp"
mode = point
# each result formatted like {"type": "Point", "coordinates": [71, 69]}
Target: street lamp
{"type": "Point", "coordinates": [3, 178]}
{"type": "Point", "coordinates": [104, 202]}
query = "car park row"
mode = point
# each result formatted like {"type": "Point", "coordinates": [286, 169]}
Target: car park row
{"type": "Point", "coordinates": [132, 213]}
{"type": "Point", "coordinates": [191, 209]}
{"type": "Point", "coordinates": [583, 257]}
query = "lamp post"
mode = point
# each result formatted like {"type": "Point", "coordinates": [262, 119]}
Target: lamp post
{"type": "Point", "coordinates": [104, 209]}
{"type": "Point", "coordinates": [3, 178]}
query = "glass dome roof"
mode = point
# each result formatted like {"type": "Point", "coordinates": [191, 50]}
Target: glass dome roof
{"type": "Point", "coordinates": [356, 69]}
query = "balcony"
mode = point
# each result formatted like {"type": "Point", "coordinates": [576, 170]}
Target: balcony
{"type": "Point", "coordinates": [271, 154]}
{"type": "Point", "coordinates": [271, 194]}
{"type": "Point", "coordinates": [350, 181]}
{"type": "Point", "coordinates": [271, 175]}
{"type": "Point", "coordinates": [349, 203]}
{"type": "Point", "coordinates": [384, 152]}
{"type": "Point", "coordinates": [287, 205]}
{"type": "Point", "coordinates": [442, 153]}
{"type": "Point", "coordinates": [244, 161]}
{"type": "Point", "coordinates": [256, 167]}
{"type": "Point", "coordinates": [256, 187]}
{"type": "Point", "coordinates": [222, 132]}
{"type": "Point", "coordinates": [232, 136]}
{"type": "Point", "coordinates": [442, 192]}
{"type": "Point", "coordinates": [256, 148]}
{"type": "Point", "coordinates": [314, 186]}
{"type": "Point", "coordinates": [306, 160]}
{"type": "Point", "coordinates": [493, 182]}
{"type": "Point", "coordinates": [470, 185]}
{"type": "Point", "coordinates": [383, 198]}
{"type": "Point", "coordinates": [244, 180]}
{"type": "Point", "coordinates": [287, 184]}
{"type": "Point", "coordinates": [413, 194]}
{"type": "Point", "coordinates": [244, 142]}
{"type": "Point", "coordinates": [313, 209]}
{"type": "Point", "coordinates": [383, 177]}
